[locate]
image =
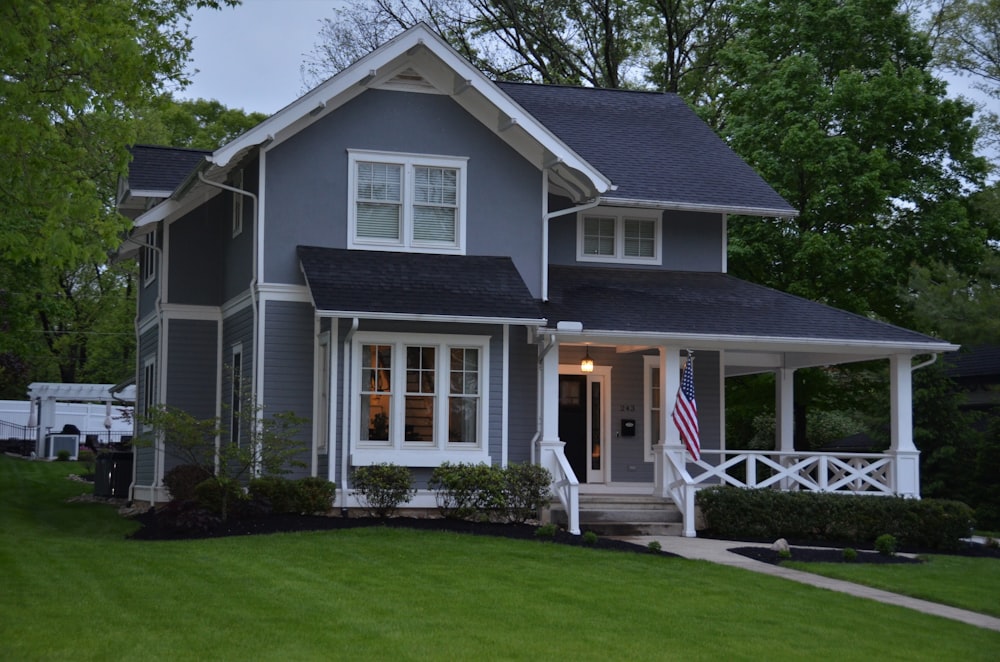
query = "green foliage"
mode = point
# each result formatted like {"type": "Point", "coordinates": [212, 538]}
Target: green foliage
{"type": "Point", "coordinates": [785, 554]}
{"type": "Point", "coordinates": [382, 488]}
{"type": "Point", "coordinates": [314, 494]}
{"type": "Point", "coordinates": [63, 456]}
{"type": "Point", "coordinates": [886, 544]}
{"type": "Point", "coordinates": [849, 554]}
{"type": "Point", "coordinates": [546, 532]}
{"type": "Point", "coordinates": [193, 124]}
{"type": "Point", "coordinates": [274, 494]}
{"type": "Point", "coordinates": [589, 538]}
{"type": "Point", "coordinates": [219, 496]}
{"type": "Point", "coordinates": [468, 491]}
{"type": "Point", "coordinates": [836, 518]}
{"type": "Point", "coordinates": [481, 491]}
{"type": "Point", "coordinates": [654, 546]}
{"type": "Point", "coordinates": [183, 479]}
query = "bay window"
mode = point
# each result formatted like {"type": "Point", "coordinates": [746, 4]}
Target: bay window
{"type": "Point", "coordinates": [419, 399]}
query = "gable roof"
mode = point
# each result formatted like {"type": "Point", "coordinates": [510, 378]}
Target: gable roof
{"type": "Point", "coordinates": [155, 168]}
{"type": "Point", "coordinates": [712, 306]}
{"type": "Point", "coordinates": [652, 146]}
{"type": "Point", "coordinates": [382, 284]}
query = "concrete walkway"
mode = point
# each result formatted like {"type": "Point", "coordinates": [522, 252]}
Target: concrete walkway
{"type": "Point", "coordinates": [717, 551]}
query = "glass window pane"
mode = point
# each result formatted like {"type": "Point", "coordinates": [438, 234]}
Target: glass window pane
{"type": "Point", "coordinates": [379, 181]}
{"type": "Point", "coordinates": [640, 238]}
{"type": "Point", "coordinates": [598, 236]}
{"type": "Point", "coordinates": [434, 224]}
{"type": "Point", "coordinates": [375, 417]}
{"type": "Point", "coordinates": [463, 417]}
{"type": "Point", "coordinates": [419, 425]}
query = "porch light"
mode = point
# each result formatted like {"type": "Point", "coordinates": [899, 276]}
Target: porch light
{"type": "Point", "coordinates": [587, 364]}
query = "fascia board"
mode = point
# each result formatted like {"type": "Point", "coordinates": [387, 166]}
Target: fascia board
{"type": "Point", "coordinates": [346, 84]}
{"type": "Point", "coordinates": [611, 201]}
{"type": "Point", "coordinates": [419, 317]}
{"type": "Point", "coordinates": [873, 348]}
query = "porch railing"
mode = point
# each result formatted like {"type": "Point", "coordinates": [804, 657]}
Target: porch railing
{"type": "Point", "coordinates": [844, 473]}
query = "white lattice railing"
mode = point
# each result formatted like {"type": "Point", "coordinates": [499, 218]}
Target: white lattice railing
{"type": "Point", "coordinates": [845, 473]}
{"type": "Point", "coordinates": [854, 473]}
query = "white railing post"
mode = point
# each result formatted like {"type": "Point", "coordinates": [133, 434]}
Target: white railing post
{"type": "Point", "coordinates": [905, 471]}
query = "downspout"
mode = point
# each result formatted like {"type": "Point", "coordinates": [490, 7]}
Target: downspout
{"type": "Point", "coordinates": [158, 308]}
{"type": "Point", "coordinates": [538, 398]}
{"type": "Point", "coordinates": [926, 363]}
{"type": "Point", "coordinates": [253, 279]}
{"type": "Point", "coordinates": [548, 216]}
{"type": "Point", "coordinates": [345, 424]}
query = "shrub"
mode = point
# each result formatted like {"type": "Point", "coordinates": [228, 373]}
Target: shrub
{"type": "Point", "coordinates": [589, 538]}
{"type": "Point", "coordinates": [784, 554]}
{"type": "Point", "coordinates": [220, 496]}
{"type": "Point", "coordinates": [274, 494]}
{"type": "Point", "coordinates": [189, 516]}
{"type": "Point", "coordinates": [468, 491]}
{"type": "Point", "coordinates": [182, 479]}
{"type": "Point", "coordinates": [382, 488]}
{"type": "Point", "coordinates": [850, 554]}
{"type": "Point", "coordinates": [885, 544]}
{"type": "Point", "coordinates": [63, 456]}
{"type": "Point", "coordinates": [934, 524]}
{"type": "Point", "coordinates": [654, 546]}
{"type": "Point", "coordinates": [526, 491]}
{"type": "Point", "coordinates": [546, 532]}
{"type": "Point", "coordinates": [314, 494]}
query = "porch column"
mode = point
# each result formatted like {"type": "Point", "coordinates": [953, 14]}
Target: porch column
{"type": "Point", "coordinates": [670, 438]}
{"type": "Point", "coordinates": [549, 442]}
{"type": "Point", "coordinates": [906, 457]}
{"type": "Point", "coordinates": [784, 404]}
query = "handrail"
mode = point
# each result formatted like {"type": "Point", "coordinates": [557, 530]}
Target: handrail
{"type": "Point", "coordinates": [567, 488]}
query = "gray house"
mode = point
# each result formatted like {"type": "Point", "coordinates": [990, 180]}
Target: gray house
{"type": "Point", "coordinates": [433, 267]}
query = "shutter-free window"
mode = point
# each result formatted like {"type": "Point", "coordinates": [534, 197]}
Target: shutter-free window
{"type": "Point", "coordinates": [435, 204]}
{"type": "Point", "coordinates": [640, 238]}
{"type": "Point", "coordinates": [379, 200]}
{"type": "Point", "coordinates": [463, 399]}
{"type": "Point", "coordinates": [598, 236]}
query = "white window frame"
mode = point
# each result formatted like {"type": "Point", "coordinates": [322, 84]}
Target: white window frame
{"type": "Point", "coordinates": [650, 407]}
{"type": "Point", "coordinates": [237, 203]}
{"type": "Point", "coordinates": [150, 259]}
{"type": "Point", "coordinates": [619, 216]}
{"type": "Point", "coordinates": [236, 396]}
{"type": "Point", "coordinates": [408, 162]}
{"type": "Point", "coordinates": [419, 453]}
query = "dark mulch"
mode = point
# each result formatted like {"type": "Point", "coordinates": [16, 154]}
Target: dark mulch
{"type": "Point", "coordinates": [160, 526]}
{"type": "Point", "coordinates": [814, 555]}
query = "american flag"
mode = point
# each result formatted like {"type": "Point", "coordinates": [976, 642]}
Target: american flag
{"type": "Point", "coordinates": [686, 412]}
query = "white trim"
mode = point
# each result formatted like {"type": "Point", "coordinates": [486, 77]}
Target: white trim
{"type": "Point", "coordinates": [505, 395]}
{"type": "Point", "coordinates": [237, 199]}
{"type": "Point", "coordinates": [181, 311]}
{"type": "Point", "coordinates": [284, 292]}
{"type": "Point", "coordinates": [408, 163]}
{"type": "Point", "coordinates": [150, 259]}
{"type": "Point", "coordinates": [148, 323]}
{"type": "Point", "coordinates": [650, 361]}
{"type": "Point", "coordinates": [620, 216]}
{"type": "Point", "coordinates": [601, 375]}
{"type": "Point", "coordinates": [419, 317]}
{"type": "Point", "coordinates": [693, 206]}
{"type": "Point", "coordinates": [396, 449]}
{"type": "Point", "coordinates": [725, 243]}
{"type": "Point", "coordinates": [321, 441]}
{"type": "Point", "coordinates": [237, 303]}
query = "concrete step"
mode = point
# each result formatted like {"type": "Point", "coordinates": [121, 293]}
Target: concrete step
{"type": "Point", "coordinates": [624, 515]}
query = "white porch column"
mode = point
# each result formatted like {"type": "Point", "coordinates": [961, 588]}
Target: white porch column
{"type": "Point", "coordinates": [784, 412]}
{"type": "Point", "coordinates": [670, 438]}
{"type": "Point", "coordinates": [549, 367]}
{"type": "Point", "coordinates": [46, 421]}
{"type": "Point", "coordinates": [906, 457]}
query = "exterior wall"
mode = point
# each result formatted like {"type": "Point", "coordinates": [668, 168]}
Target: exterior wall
{"type": "Point", "coordinates": [306, 188]}
{"type": "Point", "coordinates": [691, 241]}
{"type": "Point", "coordinates": [143, 455]}
{"type": "Point", "coordinates": [195, 270]}
{"type": "Point", "coordinates": [237, 252]}
{"type": "Point", "coordinates": [148, 293]}
{"type": "Point", "coordinates": [191, 370]}
{"type": "Point", "coordinates": [288, 367]}
{"type": "Point", "coordinates": [522, 408]}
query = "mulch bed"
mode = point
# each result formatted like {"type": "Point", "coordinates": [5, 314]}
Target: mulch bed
{"type": "Point", "coordinates": [816, 555]}
{"type": "Point", "coordinates": [158, 526]}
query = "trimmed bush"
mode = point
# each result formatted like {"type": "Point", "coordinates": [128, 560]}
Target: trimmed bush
{"type": "Point", "coordinates": [589, 538]}
{"type": "Point", "coordinates": [382, 488]}
{"type": "Point", "coordinates": [546, 532]}
{"type": "Point", "coordinates": [885, 544]}
{"type": "Point", "coordinates": [468, 491]}
{"type": "Point", "coordinates": [526, 491]}
{"type": "Point", "coordinates": [274, 494]}
{"type": "Point", "coordinates": [63, 456]}
{"type": "Point", "coordinates": [221, 496]}
{"type": "Point", "coordinates": [314, 494]}
{"type": "Point", "coordinates": [837, 518]}
{"type": "Point", "coordinates": [183, 479]}
{"type": "Point", "coordinates": [654, 546]}
{"type": "Point", "coordinates": [850, 554]}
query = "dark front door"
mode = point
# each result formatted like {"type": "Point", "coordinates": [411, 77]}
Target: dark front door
{"type": "Point", "coordinates": [573, 422]}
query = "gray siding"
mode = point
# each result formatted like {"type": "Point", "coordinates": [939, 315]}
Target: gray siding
{"type": "Point", "coordinates": [148, 293]}
{"type": "Point", "coordinates": [306, 187]}
{"type": "Point", "coordinates": [195, 246]}
{"type": "Point", "coordinates": [238, 251]}
{"type": "Point", "coordinates": [192, 361]}
{"type": "Point", "coordinates": [288, 368]}
{"type": "Point", "coordinates": [523, 386]}
{"type": "Point", "coordinates": [148, 343]}
{"type": "Point", "coordinates": [691, 241]}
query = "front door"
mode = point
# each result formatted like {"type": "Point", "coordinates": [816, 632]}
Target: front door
{"type": "Point", "coordinates": [581, 424]}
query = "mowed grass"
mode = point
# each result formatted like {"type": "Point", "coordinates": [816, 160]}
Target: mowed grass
{"type": "Point", "coordinates": [968, 583]}
{"type": "Point", "coordinates": [72, 587]}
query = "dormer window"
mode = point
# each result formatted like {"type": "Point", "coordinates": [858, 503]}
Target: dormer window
{"type": "Point", "coordinates": [629, 236]}
{"type": "Point", "coordinates": [406, 202]}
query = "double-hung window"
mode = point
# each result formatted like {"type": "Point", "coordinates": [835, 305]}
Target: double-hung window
{"type": "Point", "coordinates": [149, 259]}
{"type": "Point", "coordinates": [420, 399]}
{"type": "Point", "coordinates": [406, 202]}
{"type": "Point", "coordinates": [618, 235]}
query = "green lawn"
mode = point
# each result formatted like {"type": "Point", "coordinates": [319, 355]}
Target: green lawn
{"type": "Point", "coordinates": [74, 588]}
{"type": "Point", "coordinates": [969, 583]}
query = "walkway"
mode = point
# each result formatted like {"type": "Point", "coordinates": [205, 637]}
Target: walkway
{"type": "Point", "coordinates": [717, 551]}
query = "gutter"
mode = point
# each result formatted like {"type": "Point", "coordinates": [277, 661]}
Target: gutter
{"type": "Point", "coordinates": [548, 216]}
{"type": "Point", "coordinates": [344, 417]}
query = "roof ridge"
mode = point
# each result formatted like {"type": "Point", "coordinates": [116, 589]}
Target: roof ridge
{"type": "Point", "coordinates": [583, 87]}
{"type": "Point", "coordinates": [175, 149]}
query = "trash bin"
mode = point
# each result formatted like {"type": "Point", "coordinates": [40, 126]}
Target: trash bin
{"type": "Point", "coordinates": [112, 474]}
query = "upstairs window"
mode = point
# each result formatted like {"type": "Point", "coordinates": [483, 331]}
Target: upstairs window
{"type": "Point", "coordinates": [405, 202]}
{"type": "Point", "coordinates": [149, 259]}
{"type": "Point", "coordinates": [629, 236]}
{"type": "Point", "coordinates": [237, 203]}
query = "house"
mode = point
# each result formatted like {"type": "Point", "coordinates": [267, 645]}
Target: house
{"type": "Point", "coordinates": [420, 261]}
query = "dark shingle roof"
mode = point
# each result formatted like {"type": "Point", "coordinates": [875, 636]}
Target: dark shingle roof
{"type": "Point", "coordinates": [979, 361]}
{"type": "Point", "coordinates": [651, 145]}
{"type": "Point", "coordinates": [156, 168]}
{"type": "Point", "coordinates": [679, 302]}
{"type": "Point", "coordinates": [416, 284]}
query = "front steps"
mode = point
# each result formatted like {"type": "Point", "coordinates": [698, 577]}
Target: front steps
{"type": "Point", "coordinates": [624, 515]}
